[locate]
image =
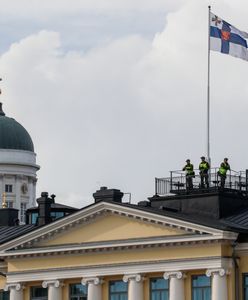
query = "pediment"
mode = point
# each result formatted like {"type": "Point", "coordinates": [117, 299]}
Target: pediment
{"type": "Point", "coordinates": [111, 227]}
{"type": "Point", "coordinates": [106, 223]}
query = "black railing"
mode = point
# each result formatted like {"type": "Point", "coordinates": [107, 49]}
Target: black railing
{"type": "Point", "coordinates": [177, 183]}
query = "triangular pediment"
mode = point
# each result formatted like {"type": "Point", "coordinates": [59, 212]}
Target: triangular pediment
{"type": "Point", "coordinates": [105, 223]}
{"type": "Point", "coordinates": [109, 227]}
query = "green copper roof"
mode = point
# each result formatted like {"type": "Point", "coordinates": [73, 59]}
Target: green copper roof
{"type": "Point", "coordinates": [13, 135]}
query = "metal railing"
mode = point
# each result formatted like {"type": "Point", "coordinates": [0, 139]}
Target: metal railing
{"type": "Point", "coordinates": [177, 184]}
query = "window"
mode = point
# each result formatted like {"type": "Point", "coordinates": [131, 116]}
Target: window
{"type": "Point", "coordinates": [201, 287]}
{"type": "Point", "coordinates": [38, 293]}
{"type": "Point", "coordinates": [245, 286]}
{"type": "Point", "coordinates": [117, 290]}
{"type": "Point", "coordinates": [4, 295]}
{"type": "Point", "coordinates": [57, 214]}
{"type": "Point", "coordinates": [159, 289]}
{"type": "Point", "coordinates": [78, 292]}
{"type": "Point", "coordinates": [23, 212]}
{"type": "Point", "coordinates": [8, 188]}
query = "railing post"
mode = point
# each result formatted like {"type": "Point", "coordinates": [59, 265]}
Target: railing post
{"type": "Point", "coordinates": [171, 180]}
{"type": "Point", "coordinates": [246, 180]}
{"type": "Point", "coordinates": [156, 189]}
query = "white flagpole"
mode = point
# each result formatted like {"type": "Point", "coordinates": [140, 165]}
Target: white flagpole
{"type": "Point", "coordinates": [208, 89]}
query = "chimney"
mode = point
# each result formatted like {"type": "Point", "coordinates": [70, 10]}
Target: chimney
{"type": "Point", "coordinates": [9, 217]}
{"type": "Point", "coordinates": [105, 194]}
{"type": "Point", "coordinates": [44, 205]}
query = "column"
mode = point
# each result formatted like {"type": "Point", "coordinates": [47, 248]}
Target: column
{"type": "Point", "coordinates": [176, 285]}
{"type": "Point", "coordinates": [17, 203]}
{"type": "Point", "coordinates": [16, 291]}
{"type": "Point", "coordinates": [94, 287]}
{"type": "Point", "coordinates": [135, 286]}
{"type": "Point", "coordinates": [31, 201]}
{"type": "Point", "coordinates": [54, 289]}
{"type": "Point", "coordinates": [219, 283]}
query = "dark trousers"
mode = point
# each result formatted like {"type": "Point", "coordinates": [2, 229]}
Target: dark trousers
{"type": "Point", "coordinates": [204, 179]}
{"type": "Point", "coordinates": [189, 182]}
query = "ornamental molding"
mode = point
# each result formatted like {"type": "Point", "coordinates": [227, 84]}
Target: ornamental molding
{"type": "Point", "coordinates": [111, 246]}
{"type": "Point", "coordinates": [101, 209]}
{"type": "Point", "coordinates": [101, 271]}
{"type": "Point", "coordinates": [53, 283]}
{"type": "Point", "coordinates": [221, 272]}
{"type": "Point", "coordinates": [132, 277]}
{"type": "Point", "coordinates": [178, 275]}
{"type": "Point", "coordinates": [15, 286]}
{"type": "Point", "coordinates": [91, 280]}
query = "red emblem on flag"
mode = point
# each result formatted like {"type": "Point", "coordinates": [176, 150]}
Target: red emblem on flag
{"type": "Point", "coordinates": [225, 35]}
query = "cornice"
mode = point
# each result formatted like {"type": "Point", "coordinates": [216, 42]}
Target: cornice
{"type": "Point", "coordinates": [125, 245]}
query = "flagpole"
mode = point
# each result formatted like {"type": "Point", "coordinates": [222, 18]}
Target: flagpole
{"type": "Point", "coordinates": [208, 89]}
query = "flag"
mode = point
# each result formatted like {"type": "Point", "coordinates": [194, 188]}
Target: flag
{"type": "Point", "coordinates": [227, 39]}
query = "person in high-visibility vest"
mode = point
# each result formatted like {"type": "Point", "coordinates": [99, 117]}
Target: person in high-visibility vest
{"type": "Point", "coordinates": [224, 167]}
{"type": "Point", "coordinates": [189, 169]}
{"type": "Point", "coordinates": [204, 168]}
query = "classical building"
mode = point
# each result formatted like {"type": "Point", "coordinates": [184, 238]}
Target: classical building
{"type": "Point", "coordinates": [192, 245]}
{"type": "Point", "coordinates": [17, 166]}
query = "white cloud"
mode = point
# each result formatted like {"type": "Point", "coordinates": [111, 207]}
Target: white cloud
{"type": "Point", "coordinates": [120, 114]}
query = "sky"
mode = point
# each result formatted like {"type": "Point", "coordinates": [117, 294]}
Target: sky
{"type": "Point", "coordinates": [114, 92]}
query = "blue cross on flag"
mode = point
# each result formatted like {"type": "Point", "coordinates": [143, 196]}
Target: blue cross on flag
{"type": "Point", "coordinates": [227, 39]}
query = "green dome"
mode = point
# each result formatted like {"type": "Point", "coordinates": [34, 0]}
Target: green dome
{"type": "Point", "coordinates": [13, 135]}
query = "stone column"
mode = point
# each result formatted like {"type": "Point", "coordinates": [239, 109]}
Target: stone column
{"type": "Point", "coordinates": [94, 287]}
{"type": "Point", "coordinates": [176, 285]}
{"type": "Point", "coordinates": [54, 289]}
{"type": "Point", "coordinates": [31, 201]}
{"type": "Point", "coordinates": [219, 283]}
{"type": "Point", "coordinates": [16, 291]}
{"type": "Point", "coordinates": [135, 286]}
{"type": "Point", "coordinates": [17, 203]}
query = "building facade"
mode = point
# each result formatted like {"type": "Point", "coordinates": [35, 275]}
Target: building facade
{"type": "Point", "coordinates": [112, 250]}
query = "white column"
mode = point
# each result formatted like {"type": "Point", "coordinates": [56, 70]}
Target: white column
{"type": "Point", "coordinates": [219, 283]}
{"type": "Point", "coordinates": [17, 203]}
{"type": "Point", "coordinates": [31, 201]}
{"type": "Point", "coordinates": [54, 289]}
{"type": "Point", "coordinates": [176, 285]}
{"type": "Point", "coordinates": [16, 291]}
{"type": "Point", "coordinates": [135, 286]}
{"type": "Point", "coordinates": [94, 287]}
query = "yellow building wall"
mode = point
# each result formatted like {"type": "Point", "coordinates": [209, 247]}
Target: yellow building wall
{"type": "Point", "coordinates": [113, 257]}
{"type": "Point", "coordinates": [2, 282]}
{"type": "Point", "coordinates": [111, 228]}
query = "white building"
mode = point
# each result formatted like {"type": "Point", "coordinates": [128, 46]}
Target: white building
{"type": "Point", "coordinates": [17, 166]}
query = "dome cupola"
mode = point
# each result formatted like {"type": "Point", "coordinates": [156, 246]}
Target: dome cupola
{"type": "Point", "coordinates": [13, 135]}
